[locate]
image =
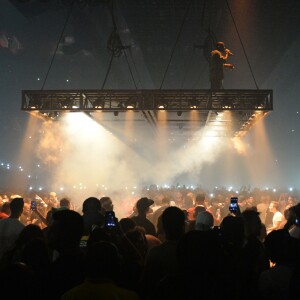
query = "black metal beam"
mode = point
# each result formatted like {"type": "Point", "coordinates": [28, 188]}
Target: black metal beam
{"type": "Point", "coordinates": [141, 100]}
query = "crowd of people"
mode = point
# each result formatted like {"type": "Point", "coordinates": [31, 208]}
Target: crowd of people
{"type": "Point", "coordinates": [173, 243]}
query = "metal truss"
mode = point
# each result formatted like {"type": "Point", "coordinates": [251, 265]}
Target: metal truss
{"type": "Point", "coordinates": [247, 106]}
{"type": "Point", "coordinates": [141, 100]}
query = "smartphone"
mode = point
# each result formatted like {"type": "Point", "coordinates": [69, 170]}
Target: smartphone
{"type": "Point", "coordinates": [33, 204]}
{"type": "Point", "coordinates": [110, 220]}
{"type": "Point", "coordinates": [233, 206]}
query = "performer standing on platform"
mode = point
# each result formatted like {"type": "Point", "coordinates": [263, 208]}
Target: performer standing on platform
{"type": "Point", "coordinates": [218, 60]}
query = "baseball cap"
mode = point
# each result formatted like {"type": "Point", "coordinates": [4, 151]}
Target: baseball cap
{"type": "Point", "coordinates": [144, 203]}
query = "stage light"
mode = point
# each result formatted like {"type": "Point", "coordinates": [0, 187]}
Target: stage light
{"type": "Point", "coordinates": [194, 104]}
{"type": "Point", "coordinates": [162, 105]}
{"type": "Point", "coordinates": [226, 104]}
{"type": "Point", "coordinates": [54, 115]}
{"type": "Point", "coordinates": [131, 105]}
{"type": "Point", "coordinates": [67, 104]}
{"type": "Point", "coordinates": [98, 104]}
{"type": "Point", "coordinates": [33, 104]}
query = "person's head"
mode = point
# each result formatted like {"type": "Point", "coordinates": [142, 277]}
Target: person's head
{"type": "Point", "coordinates": [291, 201]}
{"type": "Point", "coordinates": [29, 233]}
{"type": "Point", "coordinates": [233, 231]}
{"type": "Point", "coordinates": [200, 198]}
{"type": "Point", "coordinates": [214, 202]}
{"type": "Point", "coordinates": [53, 199]}
{"type": "Point", "coordinates": [65, 203]}
{"type": "Point", "coordinates": [126, 224]}
{"type": "Point", "coordinates": [273, 207]}
{"type": "Point", "coordinates": [26, 208]}
{"type": "Point", "coordinates": [204, 221]}
{"type": "Point", "coordinates": [91, 204]}
{"type": "Point", "coordinates": [250, 201]}
{"type": "Point", "coordinates": [220, 46]}
{"type": "Point", "coordinates": [278, 244]}
{"type": "Point", "coordinates": [5, 208]}
{"type": "Point", "coordinates": [143, 205]}
{"type": "Point", "coordinates": [102, 261]}
{"type": "Point", "coordinates": [188, 202]}
{"type": "Point", "coordinates": [16, 207]}
{"type": "Point", "coordinates": [173, 222]}
{"type": "Point", "coordinates": [165, 201]}
{"type": "Point", "coordinates": [106, 204]}
{"type": "Point", "coordinates": [138, 238]}
{"type": "Point", "coordinates": [66, 230]}
{"type": "Point", "coordinates": [252, 223]}
{"type": "Point", "coordinates": [296, 210]}
{"type": "Point", "coordinates": [198, 210]}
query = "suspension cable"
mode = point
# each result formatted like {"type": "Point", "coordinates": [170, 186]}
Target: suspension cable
{"type": "Point", "coordinates": [108, 70]}
{"type": "Point", "coordinates": [237, 31]}
{"type": "Point", "coordinates": [116, 48]}
{"type": "Point", "coordinates": [136, 70]}
{"type": "Point", "coordinates": [58, 42]}
{"type": "Point", "coordinates": [176, 42]}
{"type": "Point", "coordinates": [130, 70]}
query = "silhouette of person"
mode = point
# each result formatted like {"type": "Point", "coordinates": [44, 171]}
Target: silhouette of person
{"type": "Point", "coordinates": [218, 61]}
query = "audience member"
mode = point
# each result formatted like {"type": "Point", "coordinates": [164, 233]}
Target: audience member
{"type": "Point", "coordinates": [161, 261]}
{"type": "Point", "coordinates": [5, 211]}
{"type": "Point", "coordinates": [274, 283]}
{"type": "Point", "coordinates": [204, 221]}
{"type": "Point", "coordinates": [142, 207]}
{"type": "Point", "coordinates": [11, 227]}
{"type": "Point", "coordinates": [66, 271]}
{"type": "Point", "coordinates": [102, 267]}
{"type": "Point", "coordinates": [92, 215]}
{"type": "Point", "coordinates": [199, 201]}
{"type": "Point", "coordinates": [277, 217]}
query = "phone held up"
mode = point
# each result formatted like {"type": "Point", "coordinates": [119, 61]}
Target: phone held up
{"type": "Point", "coordinates": [233, 206]}
{"type": "Point", "coordinates": [33, 205]}
{"type": "Point", "coordinates": [110, 219]}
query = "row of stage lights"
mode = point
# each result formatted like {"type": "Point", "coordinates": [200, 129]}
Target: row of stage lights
{"type": "Point", "coordinates": [98, 104]}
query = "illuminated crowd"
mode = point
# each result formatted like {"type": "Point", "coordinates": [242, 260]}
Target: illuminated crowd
{"type": "Point", "coordinates": [158, 242]}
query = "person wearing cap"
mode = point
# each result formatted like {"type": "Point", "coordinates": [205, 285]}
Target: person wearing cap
{"type": "Point", "coordinates": [143, 207]}
{"type": "Point", "coordinates": [218, 61]}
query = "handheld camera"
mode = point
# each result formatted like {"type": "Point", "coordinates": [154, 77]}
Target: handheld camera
{"type": "Point", "coordinates": [233, 206]}
{"type": "Point", "coordinates": [110, 220]}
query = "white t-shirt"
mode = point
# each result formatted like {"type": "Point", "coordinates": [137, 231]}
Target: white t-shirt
{"type": "Point", "coordinates": [278, 217]}
{"type": "Point", "coordinates": [10, 229]}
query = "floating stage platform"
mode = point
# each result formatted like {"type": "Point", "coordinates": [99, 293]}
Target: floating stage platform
{"type": "Point", "coordinates": [181, 112]}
